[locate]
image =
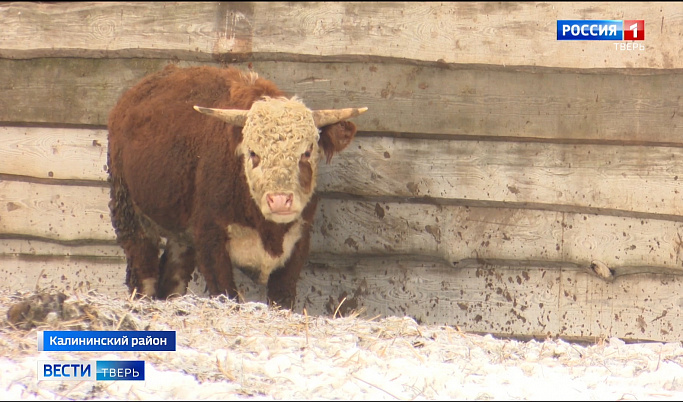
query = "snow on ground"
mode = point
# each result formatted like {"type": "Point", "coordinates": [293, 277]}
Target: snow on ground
{"type": "Point", "coordinates": [227, 350]}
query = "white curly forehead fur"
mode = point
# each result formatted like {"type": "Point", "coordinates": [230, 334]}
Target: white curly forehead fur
{"type": "Point", "coordinates": [279, 131]}
{"type": "Point", "coordinates": [279, 125]}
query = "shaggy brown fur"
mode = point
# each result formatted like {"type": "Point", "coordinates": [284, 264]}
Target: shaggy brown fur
{"type": "Point", "coordinates": [174, 173]}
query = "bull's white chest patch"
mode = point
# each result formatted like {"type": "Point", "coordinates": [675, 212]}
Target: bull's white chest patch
{"type": "Point", "coordinates": [246, 249]}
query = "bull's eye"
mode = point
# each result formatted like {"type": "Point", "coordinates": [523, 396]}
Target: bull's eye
{"type": "Point", "coordinates": [306, 155]}
{"type": "Point", "coordinates": [255, 159]}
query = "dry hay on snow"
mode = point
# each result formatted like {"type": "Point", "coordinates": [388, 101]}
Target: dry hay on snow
{"type": "Point", "coordinates": [227, 350]}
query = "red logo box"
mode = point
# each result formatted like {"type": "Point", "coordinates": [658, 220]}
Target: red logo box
{"type": "Point", "coordinates": [634, 29]}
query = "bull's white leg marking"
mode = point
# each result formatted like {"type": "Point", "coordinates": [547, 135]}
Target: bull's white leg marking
{"type": "Point", "coordinates": [149, 287]}
{"type": "Point", "coordinates": [176, 277]}
{"type": "Point", "coordinates": [246, 249]}
{"type": "Point", "coordinates": [174, 263]}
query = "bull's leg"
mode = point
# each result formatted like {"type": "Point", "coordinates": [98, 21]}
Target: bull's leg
{"type": "Point", "coordinates": [142, 270]}
{"type": "Point", "coordinates": [176, 267]}
{"type": "Point", "coordinates": [282, 282]}
{"type": "Point", "coordinates": [213, 260]}
{"type": "Point", "coordinates": [141, 249]}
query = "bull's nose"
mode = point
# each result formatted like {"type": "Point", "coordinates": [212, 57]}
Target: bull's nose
{"type": "Point", "coordinates": [280, 203]}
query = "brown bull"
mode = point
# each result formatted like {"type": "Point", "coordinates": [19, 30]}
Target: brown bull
{"type": "Point", "coordinates": [223, 166]}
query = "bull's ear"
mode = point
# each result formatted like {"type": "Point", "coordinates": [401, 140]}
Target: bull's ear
{"type": "Point", "coordinates": [335, 137]}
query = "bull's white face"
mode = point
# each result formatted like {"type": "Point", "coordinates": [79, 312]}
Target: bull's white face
{"type": "Point", "coordinates": [280, 153]}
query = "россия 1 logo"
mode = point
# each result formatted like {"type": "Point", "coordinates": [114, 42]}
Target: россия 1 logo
{"type": "Point", "coordinates": [600, 30]}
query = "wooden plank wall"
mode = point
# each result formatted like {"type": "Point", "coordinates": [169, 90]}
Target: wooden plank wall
{"type": "Point", "coordinates": [494, 166]}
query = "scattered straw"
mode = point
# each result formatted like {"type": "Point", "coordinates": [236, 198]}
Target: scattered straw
{"type": "Point", "coordinates": [254, 350]}
{"type": "Point", "coordinates": [336, 311]}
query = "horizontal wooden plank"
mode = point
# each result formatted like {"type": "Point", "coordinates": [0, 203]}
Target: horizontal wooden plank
{"type": "Point", "coordinates": [73, 275]}
{"type": "Point", "coordinates": [67, 91]}
{"type": "Point", "coordinates": [527, 301]}
{"type": "Point", "coordinates": [626, 178]}
{"type": "Point", "coordinates": [423, 101]}
{"type": "Point", "coordinates": [532, 300]}
{"type": "Point", "coordinates": [125, 28]}
{"type": "Point", "coordinates": [109, 251]}
{"type": "Point", "coordinates": [639, 179]}
{"type": "Point", "coordinates": [506, 34]}
{"type": "Point", "coordinates": [78, 215]}
{"type": "Point", "coordinates": [455, 233]}
{"type": "Point", "coordinates": [64, 213]}
{"type": "Point", "coordinates": [553, 105]}
{"type": "Point", "coordinates": [41, 248]}
{"type": "Point", "coordinates": [56, 153]}
{"type": "Point", "coordinates": [103, 275]}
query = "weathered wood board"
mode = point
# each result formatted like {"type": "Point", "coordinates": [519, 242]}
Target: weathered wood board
{"type": "Point", "coordinates": [54, 153]}
{"type": "Point", "coordinates": [415, 101]}
{"type": "Point", "coordinates": [610, 179]}
{"type": "Point", "coordinates": [534, 300]}
{"type": "Point", "coordinates": [489, 33]}
{"type": "Point", "coordinates": [531, 301]}
{"type": "Point", "coordinates": [79, 214]}
{"type": "Point", "coordinates": [576, 177]}
{"type": "Point", "coordinates": [67, 214]}
{"type": "Point", "coordinates": [45, 248]}
{"type": "Point", "coordinates": [454, 233]}
{"type": "Point", "coordinates": [75, 275]}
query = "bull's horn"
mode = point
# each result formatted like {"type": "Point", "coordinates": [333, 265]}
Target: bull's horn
{"type": "Point", "coordinates": [236, 117]}
{"type": "Point", "coordinates": [324, 118]}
